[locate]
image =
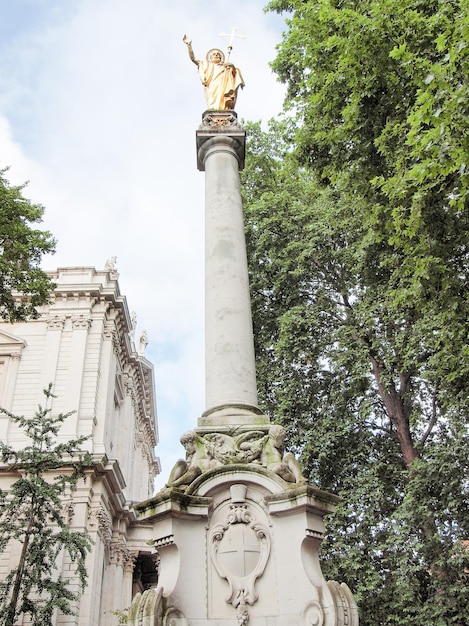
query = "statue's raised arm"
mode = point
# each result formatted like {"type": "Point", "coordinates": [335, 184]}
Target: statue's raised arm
{"type": "Point", "coordinates": [221, 80]}
{"type": "Point", "coordinates": [188, 43]}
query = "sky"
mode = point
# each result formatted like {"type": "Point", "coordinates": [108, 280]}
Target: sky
{"type": "Point", "coordinates": [99, 104]}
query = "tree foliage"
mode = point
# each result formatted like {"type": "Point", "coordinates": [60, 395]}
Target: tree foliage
{"type": "Point", "coordinates": [33, 513]}
{"type": "Point", "coordinates": [21, 250]}
{"type": "Point", "coordinates": [358, 241]}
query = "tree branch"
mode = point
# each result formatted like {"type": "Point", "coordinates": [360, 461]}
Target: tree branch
{"type": "Point", "coordinates": [431, 423]}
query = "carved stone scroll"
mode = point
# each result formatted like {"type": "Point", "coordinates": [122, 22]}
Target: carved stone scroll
{"type": "Point", "coordinates": [313, 615]}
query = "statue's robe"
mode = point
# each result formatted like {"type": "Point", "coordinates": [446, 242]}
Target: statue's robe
{"type": "Point", "coordinates": [221, 85]}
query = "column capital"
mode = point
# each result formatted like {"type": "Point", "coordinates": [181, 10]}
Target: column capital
{"type": "Point", "coordinates": [220, 128]}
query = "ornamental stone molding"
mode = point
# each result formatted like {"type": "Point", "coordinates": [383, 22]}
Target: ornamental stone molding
{"type": "Point", "coordinates": [240, 547]}
{"type": "Point", "coordinates": [98, 521]}
{"type": "Point", "coordinates": [11, 345]}
{"type": "Point", "coordinates": [80, 322]}
{"type": "Point", "coordinates": [174, 617]}
{"type": "Point", "coordinates": [134, 401]}
{"type": "Point", "coordinates": [347, 611]}
{"type": "Point", "coordinates": [315, 534]}
{"type": "Point", "coordinates": [206, 451]}
{"type": "Point", "coordinates": [224, 120]}
{"type": "Point", "coordinates": [145, 606]}
{"type": "Point", "coordinates": [220, 127]}
{"type": "Point", "coordinates": [68, 511]}
{"type": "Point", "coordinates": [119, 554]}
{"type": "Point", "coordinates": [129, 384]}
{"type": "Point", "coordinates": [164, 541]}
{"type": "Point", "coordinates": [314, 615]}
{"type": "Point", "coordinates": [130, 559]}
{"type": "Point", "coordinates": [109, 331]}
{"type": "Point", "coordinates": [142, 444]}
{"type": "Point", "coordinates": [55, 322]}
{"type": "Point", "coordinates": [118, 347]}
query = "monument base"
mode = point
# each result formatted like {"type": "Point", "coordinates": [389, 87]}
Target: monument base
{"type": "Point", "coordinates": [239, 545]}
{"type": "Point", "coordinates": [230, 415]}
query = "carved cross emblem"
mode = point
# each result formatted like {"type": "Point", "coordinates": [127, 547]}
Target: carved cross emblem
{"type": "Point", "coordinates": [240, 548]}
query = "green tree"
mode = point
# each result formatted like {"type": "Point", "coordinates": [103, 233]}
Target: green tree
{"type": "Point", "coordinates": [360, 314]}
{"type": "Point", "coordinates": [32, 513]}
{"type": "Point", "coordinates": [363, 384]}
{"type": "Point", "coordinates": [21, 250]}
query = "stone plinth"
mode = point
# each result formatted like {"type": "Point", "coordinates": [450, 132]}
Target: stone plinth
{"type": "Point", "coordinates": [240, 546]}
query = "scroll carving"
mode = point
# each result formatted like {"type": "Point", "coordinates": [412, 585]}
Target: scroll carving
{"type": "Point", "coordinates": [314, 615]}
{"type": "Point", "coordinates": [344, 602]}
{"type": "Point", "coordinates": [174, 617]}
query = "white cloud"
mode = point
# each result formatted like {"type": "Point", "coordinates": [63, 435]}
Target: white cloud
{"type": "Point", "coordinates": [99, 108]}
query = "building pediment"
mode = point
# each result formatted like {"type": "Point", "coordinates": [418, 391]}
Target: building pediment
{"type": "Point", "coordinates": [10, 344]}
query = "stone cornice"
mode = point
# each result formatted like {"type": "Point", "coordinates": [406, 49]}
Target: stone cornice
{"type": "Point", "coordinates": [175, 502]}
{"type": "Point", "coordinates": [308, 497]}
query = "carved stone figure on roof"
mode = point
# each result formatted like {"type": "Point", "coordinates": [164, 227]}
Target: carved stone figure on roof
{"type": "Point", "coordinates": [110, 265]}
{"type": "Point", "coordinates": [142, 343]}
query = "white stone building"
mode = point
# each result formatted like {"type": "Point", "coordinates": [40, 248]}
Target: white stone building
{"type": "Point", "coordinates": [83, 343]}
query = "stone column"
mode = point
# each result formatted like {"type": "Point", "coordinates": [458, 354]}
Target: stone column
{"type": "Point", "coordinates": [129, 565]}
{"type": "Point", "coordinates": [230, 376]}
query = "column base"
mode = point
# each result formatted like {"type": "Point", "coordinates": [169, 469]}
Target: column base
{"type": "Point", "coordinates": [233, 415]}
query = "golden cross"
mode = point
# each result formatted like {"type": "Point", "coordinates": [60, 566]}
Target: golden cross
{"type": "Point", "coordinates": [232, 35]}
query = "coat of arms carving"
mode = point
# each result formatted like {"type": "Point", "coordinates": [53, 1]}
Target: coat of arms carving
{"type": "Point", "coordinates": [240, 548]}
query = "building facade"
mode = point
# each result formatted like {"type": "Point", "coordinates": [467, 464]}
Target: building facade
{"type": "Point", "coordinates": [83, 343]}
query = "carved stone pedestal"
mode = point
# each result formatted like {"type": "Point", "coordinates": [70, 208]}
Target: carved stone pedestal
{"type": "Point", "coordinates": [239, 545]}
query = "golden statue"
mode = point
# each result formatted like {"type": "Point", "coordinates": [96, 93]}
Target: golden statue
{"type": "Point", "coordinates": [221, 80]}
